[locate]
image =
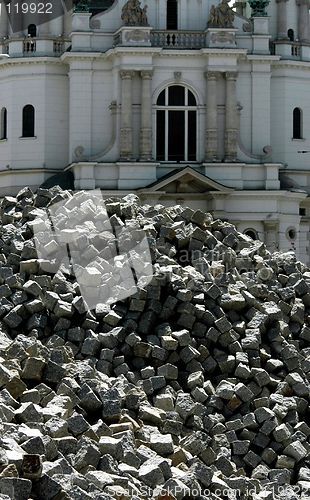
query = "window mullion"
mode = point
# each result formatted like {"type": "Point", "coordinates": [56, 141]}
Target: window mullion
{"type": "Point", "coordinates": [186, 136]}
{"type": "Point", "coordinates": [166, 134]}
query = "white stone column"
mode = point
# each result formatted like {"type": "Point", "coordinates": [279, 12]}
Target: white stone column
{"type": "Point", "coordinates": [146, 116]}
{"type": "Point", "coordinates": [211, 116]}
{"type": "Point", "coordinates": [303, 20]}
{"type": "Point", "coordinates": [126, 140]}
{"type": "Point", "coordinates": [231, 128]}
{"type": "Point", "coordinates": [282, 19]}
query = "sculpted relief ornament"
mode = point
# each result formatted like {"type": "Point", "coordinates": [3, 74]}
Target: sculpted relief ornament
{"type": "Point", "coordinates": [133, 14]}
{"type": "Point", "coordinates": [221, 16]}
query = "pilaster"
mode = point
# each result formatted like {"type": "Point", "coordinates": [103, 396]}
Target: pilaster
{"type": "Point", "coordinates": [260, 103]}
{"type": "Point", "coordinates": [126, 139]}
{"type": "Point", "coordinates": [231, 129]}
{"type": "Point", "coordinates": [271, 230]}
{"type": "Point", "coordinates": [211, 147]}
{"type": "Point", "coordinates": [80, 105]}
{"type": "Point", "coordinates": [146, 116]}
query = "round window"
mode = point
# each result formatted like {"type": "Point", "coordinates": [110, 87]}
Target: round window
{"type": "Point", "coordinates": [291, 233]}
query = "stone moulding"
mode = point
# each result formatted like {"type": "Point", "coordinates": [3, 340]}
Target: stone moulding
{"type": "Point", "coordinates": [221, 37]}
{"type": "Point", "coordinates": [133, 36]}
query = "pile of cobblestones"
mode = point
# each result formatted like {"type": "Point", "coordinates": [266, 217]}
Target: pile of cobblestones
{"type": "Point", "coordinates": [194, 387]}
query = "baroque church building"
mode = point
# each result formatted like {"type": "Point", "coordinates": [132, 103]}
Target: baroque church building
{"type": "Point", "coordinates": [187, 102]}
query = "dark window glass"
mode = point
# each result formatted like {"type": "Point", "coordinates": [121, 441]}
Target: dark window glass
{"type": "Point", "coordinates": [191, 99]}
{"type": "Point", "coordinates": [291, 35]}
{"type": "Point", "coordinates": [32, 30]}
{"type": "Point", "coordinates": [176, 124]}
{"type": "Point", "coordinates": [3, 123]}
{"type": "Point", "coordinates": [161, 99]}
{"type": "Point", "coordinates": [251, 233]}
{"type": "Point", "coordinates": [160, 136]}
{"type": "Point", "coordinates": [297, 124]}
{"type": "Point", "coordinates": [192, 135]}
{"type": "Point", "coordinates": [28, 121]}
{"type": "Point", "coordinates": [96, 6]}
{"type": "Point", "coordinates": [176, 95]}
{"type": "Point", "coordinates": [172, 15]}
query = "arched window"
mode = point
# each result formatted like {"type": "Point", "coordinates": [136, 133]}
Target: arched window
{"type": "Point", "coordinates": [251, 233]}
{"type": "Point", "coordinates": [32, 30]}
{"type": "Point", "coordinates": [3, 124]}
{"type": "Point", "coordinates": [176, 125]}
{"type": "Point", "coordinates": [297, 123]}
{"type": "Point", "coordinates": [28, 121]}
{"type": "Point", "coordinates": [172, 14]}
{"type": "Point", "coordinates": [291, 35]}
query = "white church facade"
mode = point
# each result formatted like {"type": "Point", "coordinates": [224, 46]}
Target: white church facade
{"type": "Point", "coordinates": [181, 101]}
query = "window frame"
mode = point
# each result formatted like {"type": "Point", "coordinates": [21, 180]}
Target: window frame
{"type": "Point", "coordinates": [186, 109]}
{"type": "Point", "coordinates": [24, 125]}
{"type": "Point", "coordinates": [32, 25]}
{"type": "Point", "coordinates": [291, 34]}
{"type": "Point", "coordinates": [253, 231]}
{"type": "Point", "coordinates": [297, 126]}
{"type": "Point", "coordinates": [173, 4]}
{"type": "Point", "coordinates": [3, 124]}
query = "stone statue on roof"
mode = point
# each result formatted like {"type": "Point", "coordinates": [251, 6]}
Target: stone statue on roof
{"type": "Point", "coordinates": [133, 14]}
{"type": "Point", "coordinates": [221, 16]}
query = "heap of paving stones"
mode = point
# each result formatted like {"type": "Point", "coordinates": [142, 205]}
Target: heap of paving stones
{"type": "Point", "coordinates": [197, 385]}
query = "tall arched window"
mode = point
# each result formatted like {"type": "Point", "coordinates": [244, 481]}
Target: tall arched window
{"type": "Point", "coordinates": [28, 121]}
{"type": "Point", "coordinates": [3, 124]}
{"type": "Point", "coordinates": [176, 125]}
{"type": "Point", "coordinates": [297, 123]}
{"type": "Point", "coordinates": [172, 14]}
{"type": "Point", "coordinates": [32, 30]}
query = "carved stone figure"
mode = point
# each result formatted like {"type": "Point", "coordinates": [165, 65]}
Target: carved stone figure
{"type": "Point", "coordinates": [221, 16]}
{"type": "Point", "coordinates": [133, 14]}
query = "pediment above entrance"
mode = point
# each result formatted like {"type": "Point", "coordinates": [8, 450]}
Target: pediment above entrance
{"type": "Point", "coordinates": [186, 180]}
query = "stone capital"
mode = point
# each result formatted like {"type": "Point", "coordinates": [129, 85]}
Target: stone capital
{"type": "Point", "coordinates": [281, 1]}
{"type": "Point", "coordinates": [231, 75]}
{"type": "Point", "coordinates": [126, 74]}
{"type": "Point", "coordinates": [146, 74]}
{"type": "Point", "coordinates": [211, 75]}
{"type": "Point", "coordinates": [302, 2]}
{"type": "Point", "coordinates": [270, 225]}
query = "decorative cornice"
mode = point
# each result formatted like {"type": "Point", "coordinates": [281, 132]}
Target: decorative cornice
{"type": "Point", "coordinates": [286, 63]}
{"type": "Point", "coordinates": [23, 61]}
{"type": "Point", "coordinates": [81, 56]}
